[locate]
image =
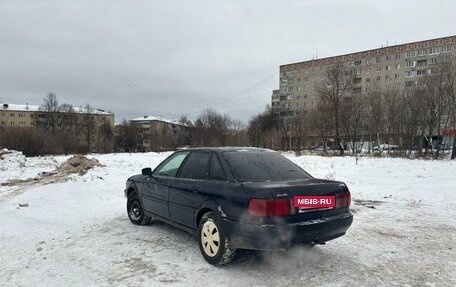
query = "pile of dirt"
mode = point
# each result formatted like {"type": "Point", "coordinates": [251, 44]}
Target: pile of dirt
{"type": "Point", "coordinates": [78, 164]}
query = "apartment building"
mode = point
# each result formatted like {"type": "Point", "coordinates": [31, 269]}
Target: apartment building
{"type": "Point", "coordinates": [31, 116]}
{"type": "Point", "coordinates": [388, 68]}
{"type": "Point", "coordinates": [157, 134]}
{"type": "Point", "coordinates": [93, 129]}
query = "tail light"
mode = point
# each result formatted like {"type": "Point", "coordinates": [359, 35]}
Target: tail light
{"type": "Point", "coordinates": [343, 199]}
{"type": "Point", "coordinates": [270, 207]}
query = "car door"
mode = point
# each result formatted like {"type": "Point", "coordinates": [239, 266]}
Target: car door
{"type": "Point", "coordinates": [187, 192]}
{"type": "Point", "coordinates": [156, 188]}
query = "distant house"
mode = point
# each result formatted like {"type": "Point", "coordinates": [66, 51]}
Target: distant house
{"type": "Point", "coordinates": [159, 134]}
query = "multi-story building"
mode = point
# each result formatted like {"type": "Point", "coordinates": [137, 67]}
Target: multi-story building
{"type": "Point", "coordinates": [156, 133]}
{"type": "Point", "coordinates": [93, 127]}
{"type": "Point", "coordinates": [384, 69]}
{"type": "Point", "coordinates": [12, 115]}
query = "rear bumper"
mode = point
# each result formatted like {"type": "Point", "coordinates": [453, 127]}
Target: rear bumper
{"type": "Point", "coordinates": [279, 236]}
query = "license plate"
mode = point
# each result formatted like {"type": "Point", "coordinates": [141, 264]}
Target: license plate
{"type": "Point", "coordinates": [304, 202]}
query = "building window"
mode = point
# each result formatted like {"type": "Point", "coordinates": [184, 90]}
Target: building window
{"type": "Point", "coordinates": [3, 123]}
{"type": "Point", "coordinates": [410, 64]}
{"type": "Point", "coordinates": [433, 61]}
{"type": "Point", "coordinates": [422, 52]}
{"type": "Point", "coordinates": [379, 69]}
{"type": "Point", "coordinates": [378, 78]}
{"type": "Point", "coordinates": [12, 123]}
{"type": "Point", "coordinates": [388, 58]}
{"type": "Point", "coordinates": [421, 72]}
{"type": "Point", "coordinates": [378, 59]}
{"type": "Point", "coordinates": [421, 63]}
{"type": "Point", "coordinates": [410, 54]}
{"type": "Point", "coordinates": [387, 78]}
{"type": "Point", "coordinates": [22, 124]}
{"type": "Point", "coordinates": [357, 62]}
{"type": "Point", "coordinates": [433, 51]}
{"type": "Point", "coordinates": [388, 67]}
{"type": "Point", "coordinates": [446, 49]}
{"type": "Point", "coordinates": [368, 80]}
{"type": "Point", "coordinates": [12, 115]}
{"type": "Point", "coordinates": [368, 62]}
{"type": "Point", "coordinates": [398, 66]}
{"type": "Point", "coordinates": [22, 115]}
{"type": "Point", "coordinates": [32, 124]}
{"type": "Point", "coordinates": [398, 56]}
{"type": "Point", "coordinates": [2, 114]}
{"type": "Point", "coordinates": [396, 76]}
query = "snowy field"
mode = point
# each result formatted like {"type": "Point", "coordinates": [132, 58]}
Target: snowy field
{"type": "Point", "coordinates": [75, 231]}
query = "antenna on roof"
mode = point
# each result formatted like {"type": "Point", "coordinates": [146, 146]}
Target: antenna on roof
{"type": "Point", "coordinates": [387, 42]}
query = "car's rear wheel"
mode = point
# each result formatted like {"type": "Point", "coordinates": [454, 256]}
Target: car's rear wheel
{"type": "Point", "coordinates": [214, 243]}
{"type": "Point", "coordinates": [135, 210]}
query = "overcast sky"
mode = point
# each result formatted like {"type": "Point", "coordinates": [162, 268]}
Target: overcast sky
{"type": "Point", "coordinates": [167, 58]}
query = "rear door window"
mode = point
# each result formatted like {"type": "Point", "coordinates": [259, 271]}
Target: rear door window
{"type": "Point", "coordinates": [196, 166]}
{"type": "Point", "coordinates": [216, 171]}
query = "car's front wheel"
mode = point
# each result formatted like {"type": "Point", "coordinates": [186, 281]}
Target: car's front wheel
{"type": "Point", "coordinates": [214, 243]}
{"type": "Point", "coordinates": [135, 210]}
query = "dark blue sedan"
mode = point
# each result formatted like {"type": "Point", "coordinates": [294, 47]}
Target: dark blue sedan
{"type": "Point", "coordinates": [239, 198]}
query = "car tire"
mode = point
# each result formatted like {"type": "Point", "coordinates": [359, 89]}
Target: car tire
{"type": "Point", "coordinates": [135, 210]}
{"type": "Point", "coordinates": [214, 243]}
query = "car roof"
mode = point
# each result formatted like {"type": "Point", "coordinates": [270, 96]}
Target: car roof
{"type": "Point", "coordinates": [228, 148]}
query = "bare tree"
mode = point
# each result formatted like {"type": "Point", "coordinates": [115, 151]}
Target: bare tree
{"type": "Point", "coordinates": [68, 126]}
{"type": "Point", "coordinates": [51, 107]}
{"type": "Point", "coordinates": [127, 136]}
{"type": "Point", "coordinates": [436, 103]}
{"type": "Point", "coordinates": [353, 119]}
{"type": "Point", "coordinates": [88, 126]}
{"type": "Point", "coordinates": [448, 71]}
{"type": "Point", "coordinates": [375, 110]}
{"type": "Point", "coordinates": [337, 85]}
{"type": "Point", "coordinates": [211, 129]}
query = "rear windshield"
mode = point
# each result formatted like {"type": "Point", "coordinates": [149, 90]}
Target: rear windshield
{"type": "Point", "coordinates": [262, 166]}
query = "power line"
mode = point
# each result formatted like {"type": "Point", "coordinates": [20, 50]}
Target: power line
{"type": "Point", "coordinates": [250, 89]}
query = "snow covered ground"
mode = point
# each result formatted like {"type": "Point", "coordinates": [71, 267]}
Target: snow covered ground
{"type": "Point", "coordinates": [76, 232]}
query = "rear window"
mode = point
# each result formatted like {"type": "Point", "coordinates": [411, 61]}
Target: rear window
{"type": "Point", "coordinates": [262, 166]}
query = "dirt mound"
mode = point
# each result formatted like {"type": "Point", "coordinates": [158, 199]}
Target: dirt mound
{"type": "Point", "coordinates": [78, 164]}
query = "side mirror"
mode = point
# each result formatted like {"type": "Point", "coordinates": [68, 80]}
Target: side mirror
{"type": "Point", "coordinates": [146, 171]}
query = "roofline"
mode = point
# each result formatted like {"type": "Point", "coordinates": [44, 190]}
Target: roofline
{"type": "Point", "coordinates": [38, 109]}
{"type": "Point", "coordinates": [157, 120]}
{"type": "Point", "coordinates": [452, 38]}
